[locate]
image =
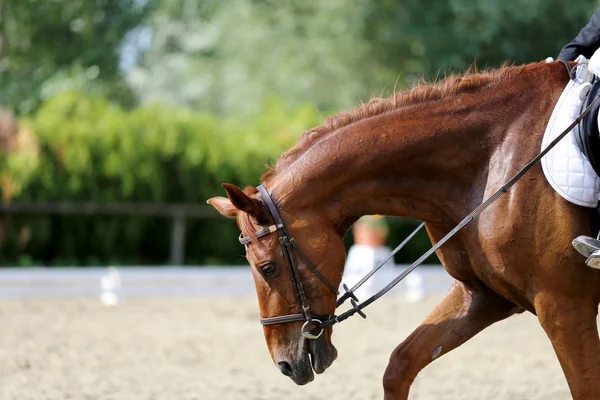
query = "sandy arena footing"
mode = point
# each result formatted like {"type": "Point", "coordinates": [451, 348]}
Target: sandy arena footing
{"type": "Point", "coordinates": [213, 349]}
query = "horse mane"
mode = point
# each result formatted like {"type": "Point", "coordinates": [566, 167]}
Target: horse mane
{"type": "Point", "coordinates": [422, 92]}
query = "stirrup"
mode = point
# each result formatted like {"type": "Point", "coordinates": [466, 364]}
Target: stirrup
{"type": "Point", "coordinates": [586, 245]}
{"type": "Point", "coordinates": [593, 260]}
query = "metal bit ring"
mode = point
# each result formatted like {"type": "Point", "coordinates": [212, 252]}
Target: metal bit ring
{"type": "Point", "coordinates": [308, 334]}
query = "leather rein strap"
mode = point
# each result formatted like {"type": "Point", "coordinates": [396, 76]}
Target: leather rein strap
{"type": "Point", "coordinates": [289, 247]}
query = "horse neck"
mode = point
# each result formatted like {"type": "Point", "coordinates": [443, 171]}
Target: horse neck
{"type": "Point", "coordinates": [431, 161]}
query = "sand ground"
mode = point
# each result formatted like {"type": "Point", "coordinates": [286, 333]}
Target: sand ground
{"type": "Point", "coordinates": [213, 348]}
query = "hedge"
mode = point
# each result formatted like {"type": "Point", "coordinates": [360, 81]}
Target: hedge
{"type": "Point", "coordinates": [79, 148]}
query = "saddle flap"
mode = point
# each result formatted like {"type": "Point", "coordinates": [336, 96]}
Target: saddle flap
{"type": "Point", "coordinates": [567, 169]}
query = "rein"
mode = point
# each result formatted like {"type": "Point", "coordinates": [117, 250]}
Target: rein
{"type": "Point", "coordinates": [290, 247]}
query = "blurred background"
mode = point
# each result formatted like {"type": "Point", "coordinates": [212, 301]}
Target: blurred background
{"type": "Point", "coordinates": [119, 118]}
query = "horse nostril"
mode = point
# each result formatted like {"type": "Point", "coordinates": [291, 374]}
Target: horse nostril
{"type": "Point", "coordinates": [285, 368]}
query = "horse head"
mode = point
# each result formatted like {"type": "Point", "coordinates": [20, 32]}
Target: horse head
{"type": "Point", "coordinates": [295, 293]}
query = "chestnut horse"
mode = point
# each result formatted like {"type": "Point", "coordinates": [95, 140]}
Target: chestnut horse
{"type": "Point", "coordinates": [433, 153]}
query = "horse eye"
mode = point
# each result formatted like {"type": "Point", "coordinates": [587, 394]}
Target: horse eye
{"type": "Point", "coordinates": [268, 270]}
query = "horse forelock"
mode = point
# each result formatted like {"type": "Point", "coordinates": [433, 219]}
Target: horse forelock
{"type": "Point", "coordinates": [422, 92]}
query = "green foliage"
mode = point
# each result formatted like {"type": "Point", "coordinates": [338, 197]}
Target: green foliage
{"type": "Point", "coordinates": [249, 61]}
{"type": "Point", "coordinates": [422, 37]}
{"type": "Point", "coordinates": [228, 56]}
{"type": "Point", "coordinates": [87, 149]}
{"type": "Point", "coordinates": [73, 43]}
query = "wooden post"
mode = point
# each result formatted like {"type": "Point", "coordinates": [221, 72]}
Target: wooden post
{"type": "Point", "coordinates": [178, 239]}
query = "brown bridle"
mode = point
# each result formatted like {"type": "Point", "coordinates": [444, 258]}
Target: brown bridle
{"type": "Point", "coordinates": [289, 248]}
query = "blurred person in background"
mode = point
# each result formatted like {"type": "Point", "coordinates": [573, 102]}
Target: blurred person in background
{"type": "Point", "coordinates": [369, 250]}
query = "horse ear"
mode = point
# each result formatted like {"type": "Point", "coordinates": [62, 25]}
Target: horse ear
{"type": "Point", "coordinates": [223, 206]}
{"type": "Point", "coordinates": [241, 200]}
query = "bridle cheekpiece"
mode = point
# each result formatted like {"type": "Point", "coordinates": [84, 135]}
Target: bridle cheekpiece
{"type": "Point", "coordinates": [290, 248]}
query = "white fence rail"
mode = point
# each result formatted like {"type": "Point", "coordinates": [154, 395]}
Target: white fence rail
{"type": "Point", "coordinates": [24, 283]}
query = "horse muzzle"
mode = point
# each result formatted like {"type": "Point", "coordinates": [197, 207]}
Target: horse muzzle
{"type": "Point", "coordinates": [312, 356]}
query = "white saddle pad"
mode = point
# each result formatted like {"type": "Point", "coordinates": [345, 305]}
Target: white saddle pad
{"type": "Point", "coordinates": [568, 171]}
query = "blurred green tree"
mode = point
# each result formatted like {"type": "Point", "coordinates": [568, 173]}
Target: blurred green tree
{"type": "Point", "coordinates": [79, 148]}
{"type": "Point", "coordinates": [422, 37]}
{"type": "Point", "coordinates": [228, 56]}
{"type": "Point", "coordinates": [47, 47]}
